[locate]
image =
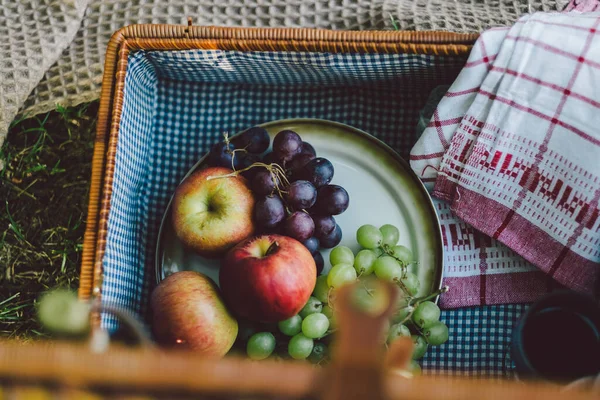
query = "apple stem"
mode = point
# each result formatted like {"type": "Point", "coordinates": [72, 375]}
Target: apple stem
{"type": "Point", "coordinates": [272, 248]}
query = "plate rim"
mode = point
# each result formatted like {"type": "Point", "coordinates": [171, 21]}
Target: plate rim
{"type": "Point", "coordinates": [373, 141]}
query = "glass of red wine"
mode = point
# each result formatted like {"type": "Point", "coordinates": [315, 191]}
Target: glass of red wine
{"type": "Point", "coordinates": [558, 339]}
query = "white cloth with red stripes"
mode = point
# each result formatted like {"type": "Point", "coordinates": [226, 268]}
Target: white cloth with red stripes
{"type": "Point", "coordinates": [512, 156]}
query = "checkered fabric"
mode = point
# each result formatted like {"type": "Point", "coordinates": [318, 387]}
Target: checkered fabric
{"type": "Point", "coordinates": [176, 104]}
{"type": "Point", "coordinates": [128, 234]}
{"type": "Point", "coordinates": [479, 343]}
{"type": "Point", "coordinates": [513, 147]}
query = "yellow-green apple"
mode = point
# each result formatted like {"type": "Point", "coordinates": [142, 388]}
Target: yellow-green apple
{"type": "Point", "coordinates": [267, 278]}
{"type": "Point", "coordinates": [212, 215]}
{"type": "Point", "coordinates": [188, 312]}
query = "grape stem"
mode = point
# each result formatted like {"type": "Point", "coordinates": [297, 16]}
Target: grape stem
{"type": "Point", "coordinates": [386, 250]}
{"type": "Point", "coordinates": [402, 285]}
{"type": "Point", "coordinates": [270, 167]}
{"type": "Point", "coordinates": [226, 139]}
{"type": "Point", "coordinates": [409, 316]}
{"type": "Point", "coordinates": [278, 176]}
{"type": "Point", "coordinates": [233, 157]}
{"type": "Point", "coordinates": [414, 302]}
{"type": "Point", "coordinates": [369, 291]}
{"type": "Point", "coordinates": [429, 296]}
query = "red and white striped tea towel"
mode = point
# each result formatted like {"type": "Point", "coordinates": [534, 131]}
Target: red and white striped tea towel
{"type": "Point", "coordinates": [514, 147]}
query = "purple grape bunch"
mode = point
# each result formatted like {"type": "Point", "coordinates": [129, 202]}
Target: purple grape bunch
{"type": "Point", "coordinates": [295, 196]}
{"type": "Point", "coordinates": [241, 152]}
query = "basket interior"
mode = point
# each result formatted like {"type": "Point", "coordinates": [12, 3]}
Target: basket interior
{"type": "Point", "coordinates": [177, 103]}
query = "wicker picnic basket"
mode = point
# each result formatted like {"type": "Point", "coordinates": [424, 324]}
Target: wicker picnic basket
{"type": "Point", "coordinates": [178, 37]}
{"type": "Point", "coordinates": [122, 372]}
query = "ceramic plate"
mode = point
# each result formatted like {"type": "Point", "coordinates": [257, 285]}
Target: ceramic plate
{"type": "Point", "coordinates": [382, 188]}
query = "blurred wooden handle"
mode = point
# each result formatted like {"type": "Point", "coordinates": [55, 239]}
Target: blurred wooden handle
{"type": "Point", "coordinates": [357, 372]}
{"type": "Point", "coordinates": [357, 368]}
{"type": "Point", "coordinates": [154, 371]}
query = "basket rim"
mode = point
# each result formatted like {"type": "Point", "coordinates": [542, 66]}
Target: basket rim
{"type": "Point", "coordinates": [162, 31]}
{"type": "Point", "coordinates": [181, 37]}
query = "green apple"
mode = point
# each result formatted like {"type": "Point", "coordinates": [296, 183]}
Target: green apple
{"type": "Point", "coordinates": [212, 213]}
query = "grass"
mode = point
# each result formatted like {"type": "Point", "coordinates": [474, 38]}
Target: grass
{"type": "Point", "coordinates": [43, 201]}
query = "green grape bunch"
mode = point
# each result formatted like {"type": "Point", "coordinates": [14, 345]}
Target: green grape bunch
{"type": "Point", "coordinates": [382, 256]}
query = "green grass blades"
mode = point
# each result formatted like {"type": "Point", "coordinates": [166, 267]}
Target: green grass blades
{"type": "Point", "coordinates": [44, 182]}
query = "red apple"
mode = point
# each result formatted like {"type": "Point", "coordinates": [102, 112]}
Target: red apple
{"type": "Point", "coordinates": [267, 278]}
{"type": "Point", "coordinates": [212, 215]}
{"type": "Point", "coordinates": [188, 312]}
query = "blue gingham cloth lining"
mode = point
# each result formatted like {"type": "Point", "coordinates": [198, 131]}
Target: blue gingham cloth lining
{"type": "Point", "coordinates": [177, 103]}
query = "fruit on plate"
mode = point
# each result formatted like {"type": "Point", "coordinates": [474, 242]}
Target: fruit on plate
{"type": "Point", "coordinates": [267, 278]}
{"type": "Point", "coordinates": [309, 333]}
{"type": "Point", "coordinates": [286, 145]}
{"type": "Point", "coordinates": [381, 258]}
{"type": "Point", "coordinates": [212, 213]}
{"type": "Point", "coordinates": [255, 140]}
{"type": "Point", "coordinates": [299, 225]}
{"type": "Point", "coordinates": [260, 345]}
{"type": "Point", "coordinates": [291, 185]}
{"type": "Point", "coordinates": [188, 312]}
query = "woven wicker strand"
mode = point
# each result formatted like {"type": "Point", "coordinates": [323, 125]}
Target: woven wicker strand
{"type": "Point", "coordinates": [297, 45]}
{"type": "Point", "coordinates": [177, 37]}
